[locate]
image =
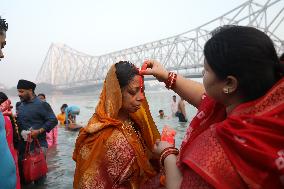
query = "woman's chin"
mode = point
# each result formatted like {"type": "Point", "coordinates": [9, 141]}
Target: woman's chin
{"type": "Point", "coordinates": [134, 110]}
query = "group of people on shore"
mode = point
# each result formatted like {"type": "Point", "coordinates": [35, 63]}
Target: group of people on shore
{"type": "Point", "coordinates": [234, 141]}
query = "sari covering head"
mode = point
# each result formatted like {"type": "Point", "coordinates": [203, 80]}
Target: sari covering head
{"type": "Point", "coordinates": [108, 153]}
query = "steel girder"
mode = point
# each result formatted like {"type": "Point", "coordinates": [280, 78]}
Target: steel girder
{"type": "Point", "coordinates": [183, 53]}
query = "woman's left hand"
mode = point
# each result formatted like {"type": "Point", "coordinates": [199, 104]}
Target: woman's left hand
{"type": "Point", "coordinates": [160, 146]}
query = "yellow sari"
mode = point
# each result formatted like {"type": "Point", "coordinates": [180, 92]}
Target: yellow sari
{"type": "Point", "coordinates": [110, 154]}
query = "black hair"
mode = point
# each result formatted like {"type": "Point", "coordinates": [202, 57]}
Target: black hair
{"type": "Point", "coordinates": [174, 96]}
{"type": "Point", "coordinates": [3, 25]}
{"type": "Point", "coordinates": [41, 94]}
{"type": "Point", "coordinates": [64, 106]}
{"type": "Point", "coordinates": [247, 54]}
{"type": "Point", "coordinates": [125, 71]}
{"type": "Point", "coordinates": [3, 97]}
{"type": "Point", "coordinates": [281, 58]}
{"type": "Point", "coordinates": [161, 111]}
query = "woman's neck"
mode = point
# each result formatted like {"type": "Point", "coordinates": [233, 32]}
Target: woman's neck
{"type": "Point", "coordinates": [232, 104]}
{"type": "Point", "coordinates": [123, 115]}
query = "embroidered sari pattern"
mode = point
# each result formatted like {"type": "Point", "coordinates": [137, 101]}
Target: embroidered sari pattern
{"type": "Point", "coordinates": [114, 153]}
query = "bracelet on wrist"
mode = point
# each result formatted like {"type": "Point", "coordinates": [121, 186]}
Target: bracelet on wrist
{"type": "Point", "coordinates": [166, 152]}
{"type": "Point", "coordinates": [171, 81]}
{"type": "Point", "coordinates": [41, 130]}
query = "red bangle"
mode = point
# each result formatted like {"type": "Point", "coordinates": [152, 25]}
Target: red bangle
{"type": "Point", "coordinates": [171, 81]}
{"type": "Point", "coordinates": [166, 152]}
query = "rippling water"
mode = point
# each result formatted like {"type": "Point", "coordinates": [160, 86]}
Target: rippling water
{"type": "Point", "coordinates": [60, 164]}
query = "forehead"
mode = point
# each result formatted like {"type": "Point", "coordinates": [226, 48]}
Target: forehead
{"type": "Point", "coordinates": [23, 90]}
{"type": "Point", "coordinates": [135, 81]}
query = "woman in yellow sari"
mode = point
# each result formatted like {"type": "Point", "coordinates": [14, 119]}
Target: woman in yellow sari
{"type": "Point", "coordinates": [114, 149]}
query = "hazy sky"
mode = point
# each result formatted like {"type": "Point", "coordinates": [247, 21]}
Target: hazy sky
{"type": "Point", "coordinates": [94, 27]}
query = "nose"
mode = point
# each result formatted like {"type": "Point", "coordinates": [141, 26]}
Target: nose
{"type": "Point", "coordinates": [140, 96]}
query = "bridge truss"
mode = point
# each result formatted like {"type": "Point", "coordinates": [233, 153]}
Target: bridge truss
{"type": "Point", "coordinates": [65, 67]}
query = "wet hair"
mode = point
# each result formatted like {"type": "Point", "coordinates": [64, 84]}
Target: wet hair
{"type": "Point", "coordinates": [41, 94]}
{"type": "Point", "coordinates": [3, 97]}
{"type": "Point", "coordinates": [64, 106]}
{"type": "Point", "coordinates": [125, 71]}
{"type": "Point", "coordinates": [247, 54]}
{"type": "Point", "coordinates": [3, 25]}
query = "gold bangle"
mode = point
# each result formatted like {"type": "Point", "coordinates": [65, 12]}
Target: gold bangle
{"type": "Point", "coordinates": [41, 130]}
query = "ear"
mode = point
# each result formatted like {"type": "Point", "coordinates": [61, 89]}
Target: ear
{"type": "Point", "coordinates": [231, 85]}
{"type": "Point", "coordinates": [30, 91]}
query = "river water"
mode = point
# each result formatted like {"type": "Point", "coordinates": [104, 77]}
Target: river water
{"type": "Point", "coordinates": [60, 164]}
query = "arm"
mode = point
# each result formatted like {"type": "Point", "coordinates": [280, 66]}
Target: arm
{"type": "Point", "coordinates": [49, 117]}
{"type": "Point", "coordinates": [173, 174]}
{"type": "Point", "coordinates": [188, 89]}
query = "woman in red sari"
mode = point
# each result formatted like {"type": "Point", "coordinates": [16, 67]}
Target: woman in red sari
{"type": "Point", "coordinates": [236, 140]}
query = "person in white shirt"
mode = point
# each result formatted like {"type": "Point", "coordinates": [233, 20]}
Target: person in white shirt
{"type": "Point", "coordinates": [174, 106]}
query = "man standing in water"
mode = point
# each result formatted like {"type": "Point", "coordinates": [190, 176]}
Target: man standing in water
{"type": "Point", "coordinates": [181, 111]}
{"type": "Point", "coordinates": [174, 106]}
{"type": "Point", "coordinates": [34, 115]}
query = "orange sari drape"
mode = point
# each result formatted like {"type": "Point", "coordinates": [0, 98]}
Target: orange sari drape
{"type": "Point", "coordinates": [244, 149]}
{"type": "Point", "coordinates": [109, 154]}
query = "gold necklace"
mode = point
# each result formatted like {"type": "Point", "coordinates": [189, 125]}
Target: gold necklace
{"type": "Point", "coordinates": [128, 126]}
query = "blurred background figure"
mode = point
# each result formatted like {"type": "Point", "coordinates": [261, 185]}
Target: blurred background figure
{"type": "Point", "coordinates": [174, 106]}
{"type": "Point", "coordinates": [162, 114]}
{"type": "Point", "coordinates": [41, 96]}
{"type": "Point", "coordinates": [181, 113]}
{"type": "Point", "coordinates": [62, 116]}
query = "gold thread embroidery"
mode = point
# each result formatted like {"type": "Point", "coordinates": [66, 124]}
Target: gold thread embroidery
{"type": "Point", "coordinates": [119, 153]}
{"type": "Point", "coordinates": [85, 152]}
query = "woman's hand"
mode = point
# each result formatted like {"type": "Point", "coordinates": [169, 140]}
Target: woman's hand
{"type": "Point", "coordinates": [155, 69]}
{"type": "Point", "coordinates": [160, 146]}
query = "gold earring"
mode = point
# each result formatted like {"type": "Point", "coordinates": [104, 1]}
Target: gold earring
{"type": "Point", "coordinates": [226, 90]}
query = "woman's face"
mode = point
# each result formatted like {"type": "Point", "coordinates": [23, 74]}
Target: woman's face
{"type": "Point", "coordinates": [132, 95]}
{"type": "Point", "coordinates": [212, 84]}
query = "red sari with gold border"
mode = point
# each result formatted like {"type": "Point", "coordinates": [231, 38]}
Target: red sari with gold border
{"type": "Point", "coordinates": [244, 149]}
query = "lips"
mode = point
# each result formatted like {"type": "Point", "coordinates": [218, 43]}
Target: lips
{"type": "Point", "coordinates": [137, 107]}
